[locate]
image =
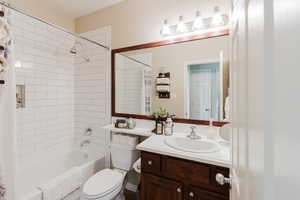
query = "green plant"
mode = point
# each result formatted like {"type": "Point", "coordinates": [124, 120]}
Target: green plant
{"type": "Point", "coordinates": [162, 112]}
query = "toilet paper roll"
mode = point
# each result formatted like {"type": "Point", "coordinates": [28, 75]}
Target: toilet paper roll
{"type": "Point", "coordinates": [137, 166]}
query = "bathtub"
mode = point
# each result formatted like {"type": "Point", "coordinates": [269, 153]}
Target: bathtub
{"type": "Point", "coordinates": [41, 171]}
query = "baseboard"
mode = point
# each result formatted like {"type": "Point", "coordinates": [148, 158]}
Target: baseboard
{"type": "Point", "coordinates": [131, 187]}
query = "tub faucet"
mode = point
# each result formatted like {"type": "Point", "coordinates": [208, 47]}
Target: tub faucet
{"type": "Point", "coordinates": [193, 135]}
{"type": "Point", "coordinates": [85, 143]}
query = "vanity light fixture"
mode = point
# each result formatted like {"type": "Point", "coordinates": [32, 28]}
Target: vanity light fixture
{"type": "Point", "coordinates": [199, 22]}
{"type": "Point", "coordinates": [181, 27]}
{"type": "Point", "coordinates": [166, 29]}
{"type": "Point", "coordinates": [217, 19]}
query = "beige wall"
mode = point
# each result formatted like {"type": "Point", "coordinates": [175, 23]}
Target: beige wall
{"type": "Point", "coordinates": [42, 9]}
{"type": "Point", "coordinates": [140, 21]}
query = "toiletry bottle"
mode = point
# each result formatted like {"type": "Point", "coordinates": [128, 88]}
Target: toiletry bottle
{"type": "Point", "coordinates": [169, 126]}
{"type": "Point", "coordinates": [159, 128]}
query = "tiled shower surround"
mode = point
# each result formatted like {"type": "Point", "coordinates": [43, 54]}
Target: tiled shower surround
{"type": "Point", "coordinates": [92, 88]}
{"type": "Point", "coordinates": [64, 95]}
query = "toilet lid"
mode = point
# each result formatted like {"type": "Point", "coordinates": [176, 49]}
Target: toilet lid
{"type": "Point", "coordinates": [103, 182]}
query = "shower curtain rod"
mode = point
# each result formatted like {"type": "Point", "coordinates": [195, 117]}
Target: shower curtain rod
{"type": "Point", "coordinates": [140, 62]}
{"type": "Point", "coordinates": [52, 25]}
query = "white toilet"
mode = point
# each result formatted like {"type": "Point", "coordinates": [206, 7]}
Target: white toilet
{"type": "Point", "coordinates": [108, 184]}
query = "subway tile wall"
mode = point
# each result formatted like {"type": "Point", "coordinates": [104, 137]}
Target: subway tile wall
{"type": "Point", "coordinates": [64, 95]}
{"type": "Point", "coordinates": [44, 65]}
{"type": "Point", "coordinates": [92, 88]}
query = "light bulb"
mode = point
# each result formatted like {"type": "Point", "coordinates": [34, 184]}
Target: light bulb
{"type": "Point", "coordinates": [166, 28]}
{"type": "Point", "coordinates": [198, 23]}
{"type": "Point", "coordinates": [181, 27]}
{"type": "Point", "coordinates": [217, 19]}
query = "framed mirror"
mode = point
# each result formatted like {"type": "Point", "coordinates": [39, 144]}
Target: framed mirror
{"type": "Point", "coordinates": [187, 77]}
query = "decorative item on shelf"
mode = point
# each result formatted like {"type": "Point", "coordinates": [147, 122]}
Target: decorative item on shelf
{"type": "Point", "coordinates": [160, 117]}
{"type": "Point", "coordinates": [200, 23]}
{"type": "Point", "coordinates": [2, 82]}
{"type": "Point", "coordinates": [163, 85]}
{"type": "Point", "coordinates": [20, 96]}
{"type": "Point", "coordinates": [131, 123]}
{"type": "Point", "coordinates": [121, 123]}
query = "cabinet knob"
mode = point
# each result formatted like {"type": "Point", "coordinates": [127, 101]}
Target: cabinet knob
{"type": "Point", "coordinates": [191, 194]}
{"type": "Point", "coordinates": [149, 162]}
{"type": "Point", "coordinates": [222, 180]}
{"type": "Point", "coordinates": [179, 190]}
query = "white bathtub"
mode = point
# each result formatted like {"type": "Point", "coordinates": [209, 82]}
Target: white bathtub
{"type": "Point", "coordinates": [52, 165]}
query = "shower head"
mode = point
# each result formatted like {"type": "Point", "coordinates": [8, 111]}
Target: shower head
{"type": "Point", "coordinates": [74, 50]}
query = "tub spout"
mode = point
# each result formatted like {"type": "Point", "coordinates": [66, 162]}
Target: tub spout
{"type": "Point", "coordinates": [85, 143]}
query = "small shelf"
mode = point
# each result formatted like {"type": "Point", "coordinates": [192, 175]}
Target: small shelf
{"type": "Point", "coordinates": [146, 132]}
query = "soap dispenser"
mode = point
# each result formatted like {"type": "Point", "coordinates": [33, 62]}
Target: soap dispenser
{"type": "Point", "coordinates": [169, 125]}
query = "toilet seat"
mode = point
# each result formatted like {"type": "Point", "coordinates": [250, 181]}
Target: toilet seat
{"type": "Point", "coordinates": [107, 182]}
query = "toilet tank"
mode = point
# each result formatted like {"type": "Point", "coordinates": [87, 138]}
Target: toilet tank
{"type": "Point", "coordinates": [123, 151]}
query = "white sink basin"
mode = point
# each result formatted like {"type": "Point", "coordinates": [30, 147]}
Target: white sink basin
{"type": "Point", "coordinates": [193, 146]}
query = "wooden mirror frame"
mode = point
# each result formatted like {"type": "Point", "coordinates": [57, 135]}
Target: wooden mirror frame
{"type": "Point", "coordinates": [220, 33]}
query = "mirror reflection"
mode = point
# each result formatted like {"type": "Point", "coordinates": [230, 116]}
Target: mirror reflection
{"type": "Point", "coordinates": [189, 80]}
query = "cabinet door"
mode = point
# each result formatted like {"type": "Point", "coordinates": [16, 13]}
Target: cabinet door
{"type": "Point", "coordinates": [199, 194]}
{"type": "Point", "coordinates": [156, 188]}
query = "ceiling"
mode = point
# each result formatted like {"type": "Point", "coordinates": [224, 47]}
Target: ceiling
{"type": "Point", "coordinates": [78, 8]}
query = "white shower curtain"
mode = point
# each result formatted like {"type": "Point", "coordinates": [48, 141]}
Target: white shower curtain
{"type": "Point", "coordinates": [7, 110]}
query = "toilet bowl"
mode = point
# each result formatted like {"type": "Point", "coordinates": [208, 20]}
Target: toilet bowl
{"type": "Point", "coordinates": [108, 184]}
{"type": "Point", "coordinates": [105, 185]}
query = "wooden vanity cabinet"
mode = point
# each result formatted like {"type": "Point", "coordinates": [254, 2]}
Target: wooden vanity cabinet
{"type": "Point", "coordinates": [170, 178]}
{"type": "Point", "coordinates": [157, 188]}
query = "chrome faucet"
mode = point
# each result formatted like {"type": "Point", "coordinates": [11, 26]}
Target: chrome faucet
{"type": "Point", "coordinates": [193, 135]}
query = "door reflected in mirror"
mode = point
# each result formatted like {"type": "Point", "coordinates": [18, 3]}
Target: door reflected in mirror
{"type": "Point", "coordinates": [189, 80]}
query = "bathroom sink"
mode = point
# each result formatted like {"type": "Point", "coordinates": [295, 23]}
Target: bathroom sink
{"type": "Point", "coordinates": [193, 146]}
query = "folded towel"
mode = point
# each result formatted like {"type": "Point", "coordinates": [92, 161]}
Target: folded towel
{"type": "Point", "coordinates": [62, 186]}
{"type": "Point", "coordinates": [3, 63]}
{"type": "Point", "coordinates": [4, 25]}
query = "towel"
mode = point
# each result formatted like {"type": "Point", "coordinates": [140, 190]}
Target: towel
{"type": "Point", "coordinates": [62, 186]}
{"type": "Point", "coordinates": [4, 40]}
{"type": "Point", "coordinates": [227, 108]}
{"type": "Point", "coordinates": [3, 64]}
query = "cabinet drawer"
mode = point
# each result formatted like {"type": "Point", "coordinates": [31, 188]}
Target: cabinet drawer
{"type": "Point", "coordinates": [151, 163]}
{"type": "Point", "coordinates": [195, 193]}
{"type": "Point", "coordinates": [195, 173]}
